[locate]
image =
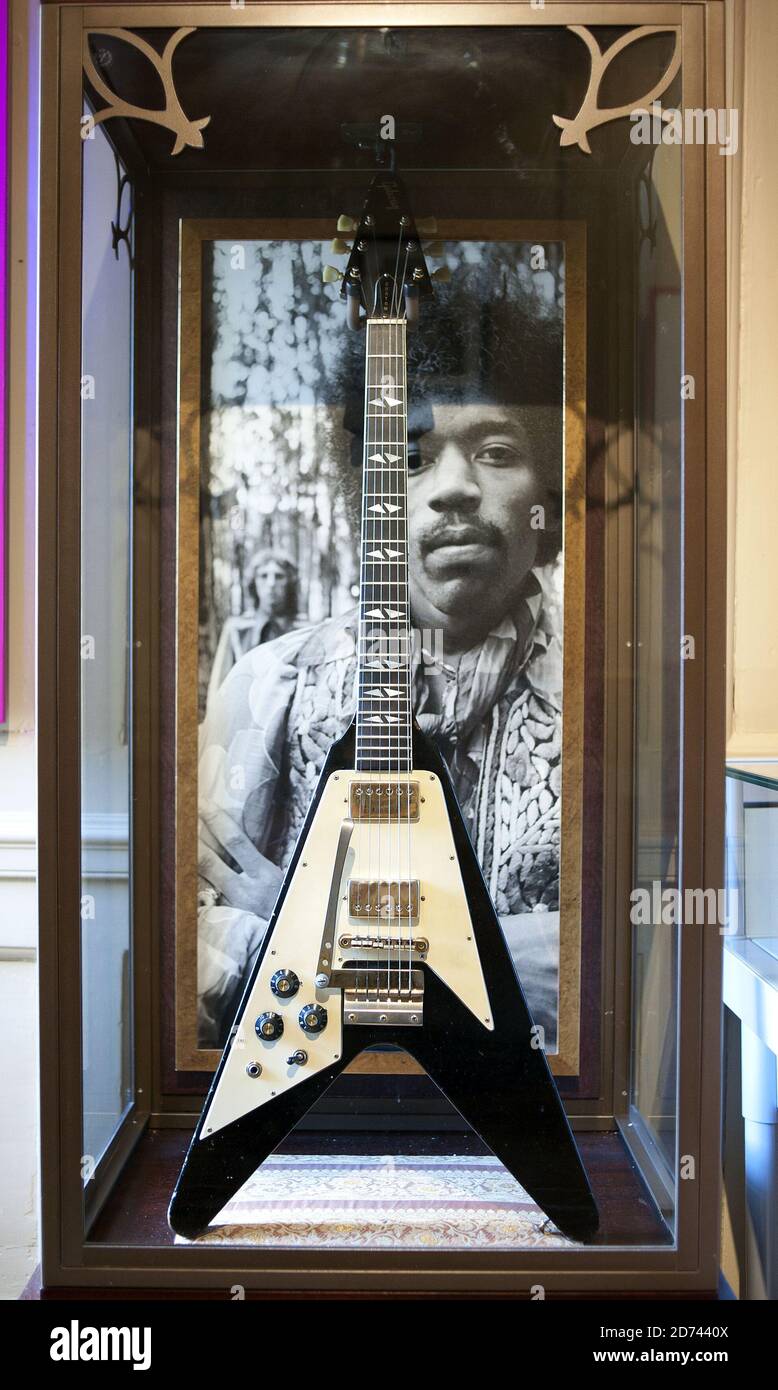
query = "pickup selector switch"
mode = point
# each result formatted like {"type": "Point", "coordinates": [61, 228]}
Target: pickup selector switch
{"type": "Point", "coordinates": [312, 1018]}
{"type": "Point", "coordinates": [269, 1026]}
{"type": "Point", "coordinates": [284, 984]}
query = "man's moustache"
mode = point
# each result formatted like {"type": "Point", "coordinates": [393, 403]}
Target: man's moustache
{"type": "Point", "coordinates": [460, 533]}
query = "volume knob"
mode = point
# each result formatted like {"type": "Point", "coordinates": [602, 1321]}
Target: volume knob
{"type": "Point", "coordinates": [284, 984]}
{"type": "Point", "coordinates": [312, 1018]}
{"type": "Point", "coordinates": [269, 1026]}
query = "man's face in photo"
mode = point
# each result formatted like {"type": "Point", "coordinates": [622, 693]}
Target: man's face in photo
{"type": "Point", "coordinates": [272, 583]}
{"type": "Point", "coordinates": [472, 481]}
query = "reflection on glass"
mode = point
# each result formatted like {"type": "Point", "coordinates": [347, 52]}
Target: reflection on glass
{"type": "Point", "coordinates": [657, 657]}
{"type": "Point", "coordinates": [106, 392]}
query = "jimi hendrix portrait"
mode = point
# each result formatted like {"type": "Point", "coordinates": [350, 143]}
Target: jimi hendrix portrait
{"type": "Point", "coordinates": [278, 581]}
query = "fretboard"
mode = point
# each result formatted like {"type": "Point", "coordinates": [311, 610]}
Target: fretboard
{"type": "Point", "coordinates": [384, 718]}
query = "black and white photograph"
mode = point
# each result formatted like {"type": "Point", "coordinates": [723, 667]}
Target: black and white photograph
{"type": "Point", "coordinates": [279, 387]}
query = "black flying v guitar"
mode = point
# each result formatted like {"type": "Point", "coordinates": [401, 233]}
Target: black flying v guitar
{"type": "Point", "coordinates": [383, 931]}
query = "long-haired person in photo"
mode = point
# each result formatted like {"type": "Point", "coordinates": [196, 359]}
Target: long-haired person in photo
{"type": "Point", "coordinates": [271, 589]}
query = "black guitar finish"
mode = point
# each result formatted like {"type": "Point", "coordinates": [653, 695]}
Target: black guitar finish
{"type": "Point", "coordinates": [498, 1081]}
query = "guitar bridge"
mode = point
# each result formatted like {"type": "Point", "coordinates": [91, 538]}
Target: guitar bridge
{"type": "Point", "coordinates": [419, 944]}
{"type": "Point", "coordinates": [367, 1001]}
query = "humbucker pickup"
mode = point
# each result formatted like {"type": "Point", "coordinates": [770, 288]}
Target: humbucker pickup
{"type": "Point", "coordinates": [383, 900]}
{"type": "Point", "coordinates": [384, 801]}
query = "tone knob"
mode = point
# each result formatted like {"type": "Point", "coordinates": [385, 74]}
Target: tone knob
{"type": "Point", "coordinates": [313, 1018]}
{"type": "Point", "coordinates": [284, 984]}
{"type": "Point", "coordinates": [269, 1026]}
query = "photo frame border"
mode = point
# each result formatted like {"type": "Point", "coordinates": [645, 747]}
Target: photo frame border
{"type": "Point", "coordinates": [194, 233]}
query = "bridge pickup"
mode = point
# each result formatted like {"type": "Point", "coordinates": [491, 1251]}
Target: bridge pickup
{"type": "Point", "coordinates": [384, 900]}
{"type": "Point", "coordinates": [384, 801]}
{"type": "Point", "coordinates": [369, 1002]}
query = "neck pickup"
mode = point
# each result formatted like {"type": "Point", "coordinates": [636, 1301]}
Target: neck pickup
{"type": "Point", "coordinates": [384, 801]}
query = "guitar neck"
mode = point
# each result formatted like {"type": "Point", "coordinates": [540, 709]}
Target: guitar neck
{"type": "Point", "coordinates": [384, 715]}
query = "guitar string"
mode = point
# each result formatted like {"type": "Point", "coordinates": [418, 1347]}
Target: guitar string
{"type": "Point", "coordinates": [402, 630]}
{"type": "Point", "coordinates": [394, 337]}
{"type": "Point", "coordinates": [387, 395]}
{"type": "Point", "coordinates": [396, 414]}
{"type": "Point", "coordinates": [372, 739]}
{"type": "Point", "coordinates": [394, 589]}
{"type": "Point", "coordinates": [391, 647]}
{"type": "Point", "coordinates": [380, 567]}
{"type": "Point", "coordinates": [394, 653]}
{"type": "Point", "coordinates": [366, 786]}
{"type": "Point", "coordinates": [375, 788]}
{"type": "Point", "coordinates": [380, 726]}
{"type": "Point", "coordinates": [401, 645]}
{"type": "Point", "coordinates": [367, 701]}
{"type": "Point", "coordinates": [398, 540]}
{"type": "Point", "coordinates": [404, 808]}
{"type": "Point", "coordinates": [409, 688]}
{"type": "Point", "coordinates": [391, 395]}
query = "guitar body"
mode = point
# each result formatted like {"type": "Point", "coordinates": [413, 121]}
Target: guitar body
{"type": "Point", "coordinates": [449, 996]}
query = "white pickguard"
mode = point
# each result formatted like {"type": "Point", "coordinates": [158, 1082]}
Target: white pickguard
{"type": "Point", "coordinates": [426, 854]}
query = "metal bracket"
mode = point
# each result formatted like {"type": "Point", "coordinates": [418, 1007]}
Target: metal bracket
{"type": "Point", "coordinates": [121, 233]}
{"type": "Point", "coordinates": [339, 873]}
{"type": "Point", "coordinates": [368, 997]}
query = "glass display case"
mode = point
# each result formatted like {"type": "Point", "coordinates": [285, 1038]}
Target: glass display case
{"type": "Point", "coordinates": [205, 175]}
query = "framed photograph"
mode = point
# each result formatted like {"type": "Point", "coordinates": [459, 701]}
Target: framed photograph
{"type": "Point", "coordinates": [269, 488]}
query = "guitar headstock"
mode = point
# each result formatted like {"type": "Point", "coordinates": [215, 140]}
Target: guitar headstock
{"type": "Point", "coordinates": [386, 275]}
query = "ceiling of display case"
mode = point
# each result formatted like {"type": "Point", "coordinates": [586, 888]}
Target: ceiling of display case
{"type": "Point", "coordinates": [462, 98]}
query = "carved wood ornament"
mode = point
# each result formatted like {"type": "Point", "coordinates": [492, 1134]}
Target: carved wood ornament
{"type": "Point", "coordinates": [171, 115]}
{"type": "Point", "coordinates": [575, 130]}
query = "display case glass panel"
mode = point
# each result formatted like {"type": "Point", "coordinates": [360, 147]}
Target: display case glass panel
{"type": "Point", "coordinates": [106, 646]}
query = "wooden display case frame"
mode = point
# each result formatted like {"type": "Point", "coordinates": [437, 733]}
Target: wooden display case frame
{"type": "Point", "coordinates": [71, 1260]}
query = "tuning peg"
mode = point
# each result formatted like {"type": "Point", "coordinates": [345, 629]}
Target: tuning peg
{"type": "Point", "coordinates": [426, 227]}
{"type": "Point", "coordinates": [442, 274]}
{"type": "Point", "coordinates": [330, 274]}
{"type": "Point", "coordinates": [340, 248]}
{"type": "Point", "coordinates": [434, 248]}
{"type": "Point", "coordinates": [346, 223]}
